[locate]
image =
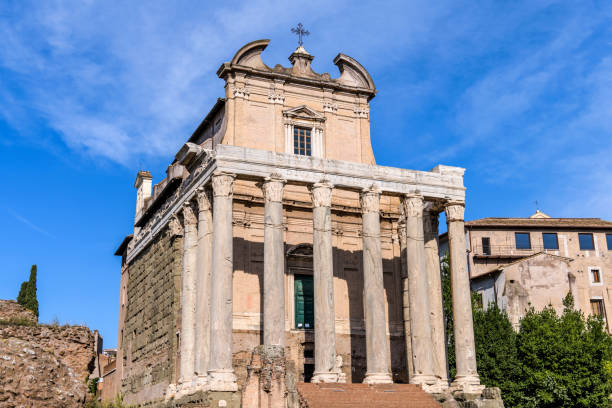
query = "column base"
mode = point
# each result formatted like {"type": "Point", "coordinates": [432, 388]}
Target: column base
{"type": "Point", "coordinates": [378, 378]}
{"type": "Point", "coordinates": [201, 383]}
{"type": "Point", "coordinates": [222, 380]}
{"type": "Point", "coordinates": [467, 383]}
{"type": "Point", "coordinates": [184, 387]}
{"type": "Point", "coordinates": [429, 383]}
{"type": "Point", "coordinates": [328, 378]}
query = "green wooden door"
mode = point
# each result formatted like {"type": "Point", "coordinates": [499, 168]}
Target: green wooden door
{"type": "Point", "coordinates": [304, 302]}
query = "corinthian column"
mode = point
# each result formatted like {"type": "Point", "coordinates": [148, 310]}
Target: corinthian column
{"type": "Point", "coordinates": [420, 326]}
{"type": "Point", "coordinates": [377, 347]}
{"type": "Point", "coordinates": [325, 328]}
{"type": "Point", "coordinates": [188, 301]}
{"type": "Point", "coordinates": [432, 262]}
{"type": "Point", "coordinates": [405, 293]}
{"type": "Point", "coordinates": [203, 267]}
{"type": "Point", "coordinates": [465, 350]}
{"type": "Point", "coordinates": [274, 263]}
{"type": "Point", "coordinates": [220, 370]}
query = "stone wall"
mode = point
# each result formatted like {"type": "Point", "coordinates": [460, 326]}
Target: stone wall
{"type": "Point", "coordinates": [10, 310]}
{"type": "Point", "coordinates": [45, 366]}
{"type": "Point", "coordinates": [149, 339]}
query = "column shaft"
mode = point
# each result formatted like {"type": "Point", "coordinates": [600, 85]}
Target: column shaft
{"type": "Point", "coordinates": [203, 272]}
{"type": "Point", "coordinates": [465, 350]}
{"type": "Point", "coordinates": [420, 326]}
{"type": "Point", "coordinates": [405, 296]}
{"type": "Point", "coordinates": [434, 280]}
{"type": "Point", "coordinates": [325, 327]}
{"type": "Point", "coordinates": [188, 302]}
{"type": "Point", "coordinates": [221, 372]}
{"type": "Point", "coordinates": [377, 346]}
{"type": "Point", "coordinates": [274, 263]}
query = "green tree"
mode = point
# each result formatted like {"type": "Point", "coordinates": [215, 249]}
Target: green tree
{"type": "Point", "coordinates": [27, 293]}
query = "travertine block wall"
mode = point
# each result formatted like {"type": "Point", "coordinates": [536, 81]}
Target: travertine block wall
{"type": "Point", "coordinates": [151, 322]}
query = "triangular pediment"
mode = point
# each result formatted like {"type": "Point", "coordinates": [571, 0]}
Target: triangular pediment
{"type": "Point", "coordinates": [303, 112]}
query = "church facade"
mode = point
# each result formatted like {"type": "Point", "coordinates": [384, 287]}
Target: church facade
{"type": "Point", "coordinates": [276, 251]}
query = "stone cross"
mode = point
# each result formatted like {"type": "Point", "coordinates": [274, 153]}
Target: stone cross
{"type": "Point", "coordinates": [299, 30]}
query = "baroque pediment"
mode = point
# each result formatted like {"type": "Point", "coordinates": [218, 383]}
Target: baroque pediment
{"type": "Point", "coordinates": [305, 113]}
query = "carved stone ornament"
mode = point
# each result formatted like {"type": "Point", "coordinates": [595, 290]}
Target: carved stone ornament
{"type": "Point", "coordinates": [321, 193]}
{"type": "Point", "coordinates": [370, 200]}
{"type": "Point", "coordinates": [189, 217]}
{"type": "Point", "coordinates": [275, 97]}
{"type": "Point", "coordinates": [175, 227]}
{"type": "Point", "coordinates": [401, 232]}
{"type": "Point", "coordinates": [430, 223]}
{"type": "Point", "coordinates": [204, 199]}
{"type": "Point", "coordinates": [330, 107]}
{"type": "Point", "coordinates": [241, 92]}
{"type": "Point", "coordinates": [454, 211]}
{"type": "Point", "coordinates": [413, 205]}
{"type": "Point", "coordinates": [362, 112]}
{"type": "Point", "coordinates": [272, 188]}
{"type": "Point", "coordinates": [223, 184]}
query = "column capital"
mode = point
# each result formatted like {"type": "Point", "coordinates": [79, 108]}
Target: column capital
{"type": "Point", "coordinates": [176, 229]}
{"type": "Point", "coordinates": [321, 193]}
{"type": "Point", "coordinates": [189, 217]}
{"type": "Point", "coordinates": [272, 188]}
{"type": "Point", "coordinates": [370, 199]}
{"type": "Point", "coordinates": [223, 184]}
{"type": "Point", "coordinates": [454, 211]}
{"type": "Point", "coordinates": [413, 205]}
{"type": "Point", "coordinates": [204, 199]}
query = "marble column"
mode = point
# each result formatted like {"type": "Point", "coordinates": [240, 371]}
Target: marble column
{"type": "Point", "coordinates": [325, 326]}
{"type": "Point", "coordinates": [220, 371]}
{"type": "Point", "coordinates": [188, 299]}
{"type": "Point", "coordinates": [377, 346]}
{"type": "Point", "coordinates": [434, 281]}
{"type": "Point", "coordinates": [465, 351]}
{"type": "Point", "coordinates": [274, 263]}
{"type": "Point", "coordinates": [203, 268]}
{"type": "Point", "coordinates": [401, 232]}
{"type": "Point", "coordinates": [420, 326]}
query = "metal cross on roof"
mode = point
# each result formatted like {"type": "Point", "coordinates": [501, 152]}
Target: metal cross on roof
{"type": "Point", "coordinates": [299, 30]}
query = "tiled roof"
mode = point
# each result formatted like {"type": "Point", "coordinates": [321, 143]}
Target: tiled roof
{"type": "Point", "coordinates": [541, 222]}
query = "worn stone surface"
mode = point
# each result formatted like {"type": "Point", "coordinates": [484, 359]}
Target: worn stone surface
{"type": "Point", "coordinates": [265, 384]}
{"type": "Point", "coordinates": [45, 366]}
{"type": "Point", "coordinates": [10, 310]}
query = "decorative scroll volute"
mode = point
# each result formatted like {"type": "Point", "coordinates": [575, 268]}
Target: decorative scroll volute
{"type": "Point", "coordinates": [413, 205]}
{"type": "Point", "coordinates": [175, 227]}
{"type": "Point", "coordinates": [321, 193]}
{"type": "Point", "coordinates": [223, 184]}
{"type": "Point", "coordinates": [204, 199]}
{"type": "Point", "coordinates": [454, 211]}
{"type": "Point", "coordinates": [189, 217]}
{"type": "Point", "coordinates": [370, 200]}
{"type": "Point", "coordinates": [272, 188]}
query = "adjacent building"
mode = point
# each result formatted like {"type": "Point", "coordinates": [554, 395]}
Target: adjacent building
{"type": "Point", "coordinates": [534, 262]}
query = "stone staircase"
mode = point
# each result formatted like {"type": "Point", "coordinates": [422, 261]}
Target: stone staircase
{"type": "Point", "coordinates": [364, 395]}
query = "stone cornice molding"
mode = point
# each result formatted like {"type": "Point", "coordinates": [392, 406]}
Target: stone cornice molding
{"type": "Point", "coordinates": [223, 184]}
{"type": "Point", "coordinates": [204, 199]}
{"type": "Point", "coordinates": [189, 217]}
{"type": "Point", "coordinates": [321, 193]}
{"type": "Point", "coordinates": [370, 199]}
{"type": "Point", "coordinates": [413, 205]}
{"type": "Point", "coordinates": [272, 188]}
{"type": "Point", "coordinates": [454, 211]}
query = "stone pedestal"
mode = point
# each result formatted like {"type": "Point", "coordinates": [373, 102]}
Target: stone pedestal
{"type": "Point", "coordinates": [323, 279]}
{"type": "Point", "coordinates": [274, 263]}
{"type": "Point", "coordinates": [467, 378]}
{"type": "Point", "coordinates": [377, 346]}
{"type": "Point", "coordinates": [220, 372]}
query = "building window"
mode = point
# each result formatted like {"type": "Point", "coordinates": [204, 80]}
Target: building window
{"type": "Point", "coordinates": [522, 240]}
{"type": "Point", "coordinates": [550, 240]}
{"type": "Point", "coordinates": [302, 142]}
{"type": "Point", "coordinates": [586, 242]}
{"type": "Point", "coordinates": [595, 275]}
{"type": "Point", "coordinates": [304, 301]}
{"type": "Point", "coordinates": [609, 241]}
{"type": "Point", "coordinates": [486, 246]}
{"type": "Point", "coordinates": [597, 307]}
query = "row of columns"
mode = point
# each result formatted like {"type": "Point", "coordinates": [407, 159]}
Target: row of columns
{"type": "Point", "coordinates": [206, 334]}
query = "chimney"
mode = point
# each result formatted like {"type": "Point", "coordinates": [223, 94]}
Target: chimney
{"type": "Point", "coordinates": [143, 184]}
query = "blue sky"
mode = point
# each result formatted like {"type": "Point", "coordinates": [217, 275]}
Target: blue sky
{"type": "Point", "coordinates": [519, 93]}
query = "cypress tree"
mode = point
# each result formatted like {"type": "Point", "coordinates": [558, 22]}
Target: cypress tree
{"type": "Point", "coordinates": [27, 293]}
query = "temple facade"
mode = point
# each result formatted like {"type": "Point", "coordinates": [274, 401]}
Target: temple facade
{"type": "Point", "coordinates": [276, 251]}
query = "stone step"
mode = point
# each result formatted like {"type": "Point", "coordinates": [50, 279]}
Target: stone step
{"type": "Point", "coordinates": [351, 395]}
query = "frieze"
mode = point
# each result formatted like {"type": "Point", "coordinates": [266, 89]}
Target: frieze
{"type": "Point", "coordinates": [362, 112]}
{"type": "Point", "coordinates": [241, 92]}
{"type": "Point", "coordinates": [330, 107]}
{"type": "Point", "coordinates": [277, 98]}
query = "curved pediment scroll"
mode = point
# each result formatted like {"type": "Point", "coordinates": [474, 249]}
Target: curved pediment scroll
{"type": "Point", "coordinates": [353, 73]}
{"type": "Point", "coordinates": [250, 54]}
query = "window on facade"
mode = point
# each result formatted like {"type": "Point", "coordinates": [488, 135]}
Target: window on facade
{"type": "Point", "coordinates": [595, 276]}
{"type": "Point", "coordinates": [486, 246]}
{"type": "Point", "coordinates": [586, 242]}
{"type": "Point", "coordinates": [550, 240]}
{"type": "Point", "coordinates": [522, 240]}
{"type": "Point", "coordinates": [304, 301]}
{"type": "Point", "coordinates": [609, 241]}
{"type": "Point", "coordinates": [302, 141]}
{"type": "Point", "coordinates": [597, 307]}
